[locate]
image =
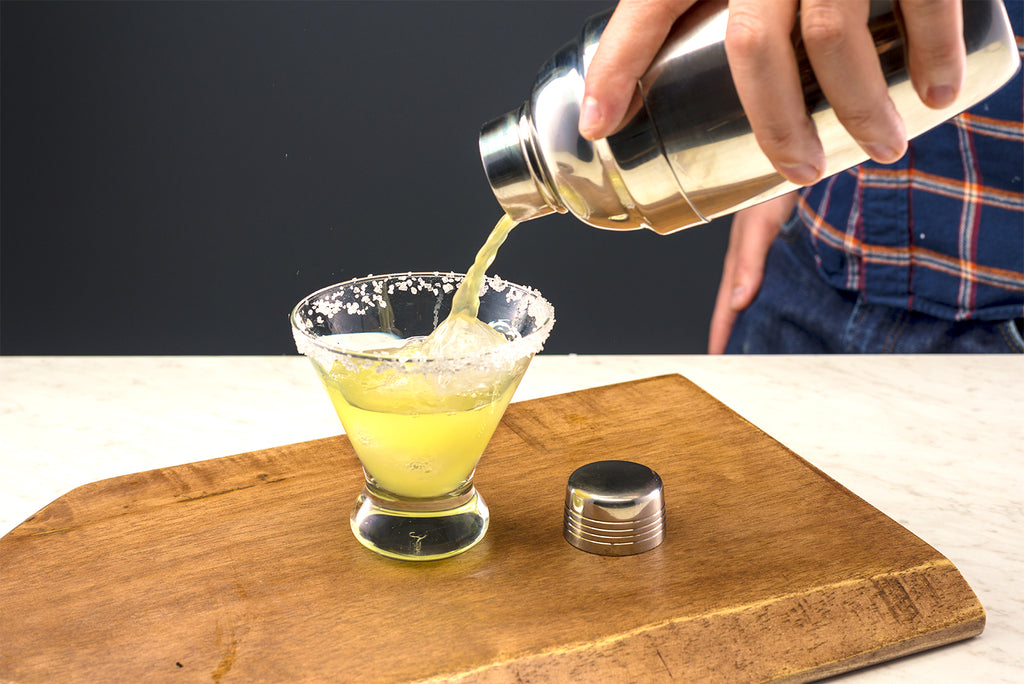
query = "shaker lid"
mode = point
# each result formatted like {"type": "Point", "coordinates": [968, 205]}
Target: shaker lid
{"type": "Point", "coordinates": [513, 169]}
{"type": "Point", "coordinates": [614, 508]}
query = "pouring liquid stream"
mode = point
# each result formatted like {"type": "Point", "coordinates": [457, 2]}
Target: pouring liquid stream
{"type": "Point", "coordinates": [461, 333]}
{"type": "Point", "coordinates": [414, 437]}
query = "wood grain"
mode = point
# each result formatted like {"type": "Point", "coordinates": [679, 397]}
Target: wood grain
{"type": "Point", "coordinates": [243, 568]}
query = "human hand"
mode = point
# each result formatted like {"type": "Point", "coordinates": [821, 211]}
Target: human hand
{"type": "Point", "coordinates": [753, 230]}
{"type": "Point", "coordinates": [764, 69]}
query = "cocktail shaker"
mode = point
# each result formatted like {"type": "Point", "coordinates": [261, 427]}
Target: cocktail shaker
{"type": "Point", "coordinates": [687, 154]}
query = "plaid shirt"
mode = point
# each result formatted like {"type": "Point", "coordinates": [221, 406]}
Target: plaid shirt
{"type": "Point", "coordinates": [941, 231]}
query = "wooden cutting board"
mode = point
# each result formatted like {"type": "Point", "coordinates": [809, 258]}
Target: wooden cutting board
{"type": "Point", "coordinates": [243, 569]}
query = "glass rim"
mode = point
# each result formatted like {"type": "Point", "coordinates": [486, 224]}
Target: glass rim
{"type": "Point", "coordinates": [525, 345]}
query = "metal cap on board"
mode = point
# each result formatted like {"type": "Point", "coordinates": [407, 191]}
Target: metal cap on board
{"type": "Point", "coordinates": [614, 508]}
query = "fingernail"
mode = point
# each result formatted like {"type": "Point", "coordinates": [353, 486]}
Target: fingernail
{"type": "Point", "coordinates": [940, 97]}
{"type": "Point", "coordinates": [590, 116]}
{"type": "Point", "coordinates": [801, 174]}
{"type": "Point", "coordinates": [882, 152]}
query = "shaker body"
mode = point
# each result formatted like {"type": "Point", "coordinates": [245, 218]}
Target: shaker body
{"type": "Point", "coordinates": [686, 153]}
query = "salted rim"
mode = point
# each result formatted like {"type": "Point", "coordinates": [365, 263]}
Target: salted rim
{"type": "Point", "coordinates": [539, 308]}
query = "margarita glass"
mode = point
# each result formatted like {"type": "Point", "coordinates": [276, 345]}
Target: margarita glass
{"type": "Point", "coordinates": [418, 424]}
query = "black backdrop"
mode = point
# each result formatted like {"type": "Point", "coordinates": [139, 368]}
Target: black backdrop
{"type": "Point", "coordinates": [176, 175]}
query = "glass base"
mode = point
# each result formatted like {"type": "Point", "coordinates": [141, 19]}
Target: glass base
{"type": "Point", "coordinates": [417, 529]}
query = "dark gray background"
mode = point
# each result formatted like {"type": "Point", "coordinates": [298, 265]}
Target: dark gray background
{"type": "Point", "coordinates": [176, 175]}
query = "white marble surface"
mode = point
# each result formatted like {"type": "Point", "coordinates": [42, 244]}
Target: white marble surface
{"type": "Point", "coordinates": [937, 443]}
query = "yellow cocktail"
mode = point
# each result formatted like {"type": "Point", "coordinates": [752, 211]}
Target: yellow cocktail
{"type": "Point", "coordinates": [418, 414]}
{"type": "Point", "coordinates": [413, 438]}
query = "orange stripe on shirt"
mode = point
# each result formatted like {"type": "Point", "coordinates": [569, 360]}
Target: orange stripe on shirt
{"type": "Point", "coordinates": [1000, 129]}
{"type": "Point", "coordinates": [940, 185]}
{"type": "Point", "coordinates": [917, 256]}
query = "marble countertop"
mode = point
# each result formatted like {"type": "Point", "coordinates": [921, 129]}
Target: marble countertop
{"type": "Point", "coordinates": [935, 442]}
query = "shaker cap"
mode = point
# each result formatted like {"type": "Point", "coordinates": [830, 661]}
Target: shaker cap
{"type": "Point", "coordinates": [513, 169]}
{"type": "Point", "coordinates": [614, 508]}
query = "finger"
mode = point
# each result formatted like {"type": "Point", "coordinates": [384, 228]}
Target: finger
{"type": "Point", "coordinates": [845, 62]}
{"type": "Point", "coordinates": [753, 231]}
{"type": "Point", "coordinates": [936, 54]}
{"type": "Point", "coordinates": [723, 315]}
{"type": "Point", "coordinates": [764, 69]}
{"type": "Point", "coordinates": [760, 227]}
{"type": "Point", "coordinates": [750, 258]}
{"type": "Point", "coordinates": [721, 327]}
{"type": "Point", "coordinates": [634, 34]}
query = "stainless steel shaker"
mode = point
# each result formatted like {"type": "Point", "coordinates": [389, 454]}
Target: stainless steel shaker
{"type": "Point", "coordinates": [687, 154]}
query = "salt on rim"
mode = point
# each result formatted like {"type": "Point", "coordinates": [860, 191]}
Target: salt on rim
{"type": "Point", "coordinates": [369, 291]}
